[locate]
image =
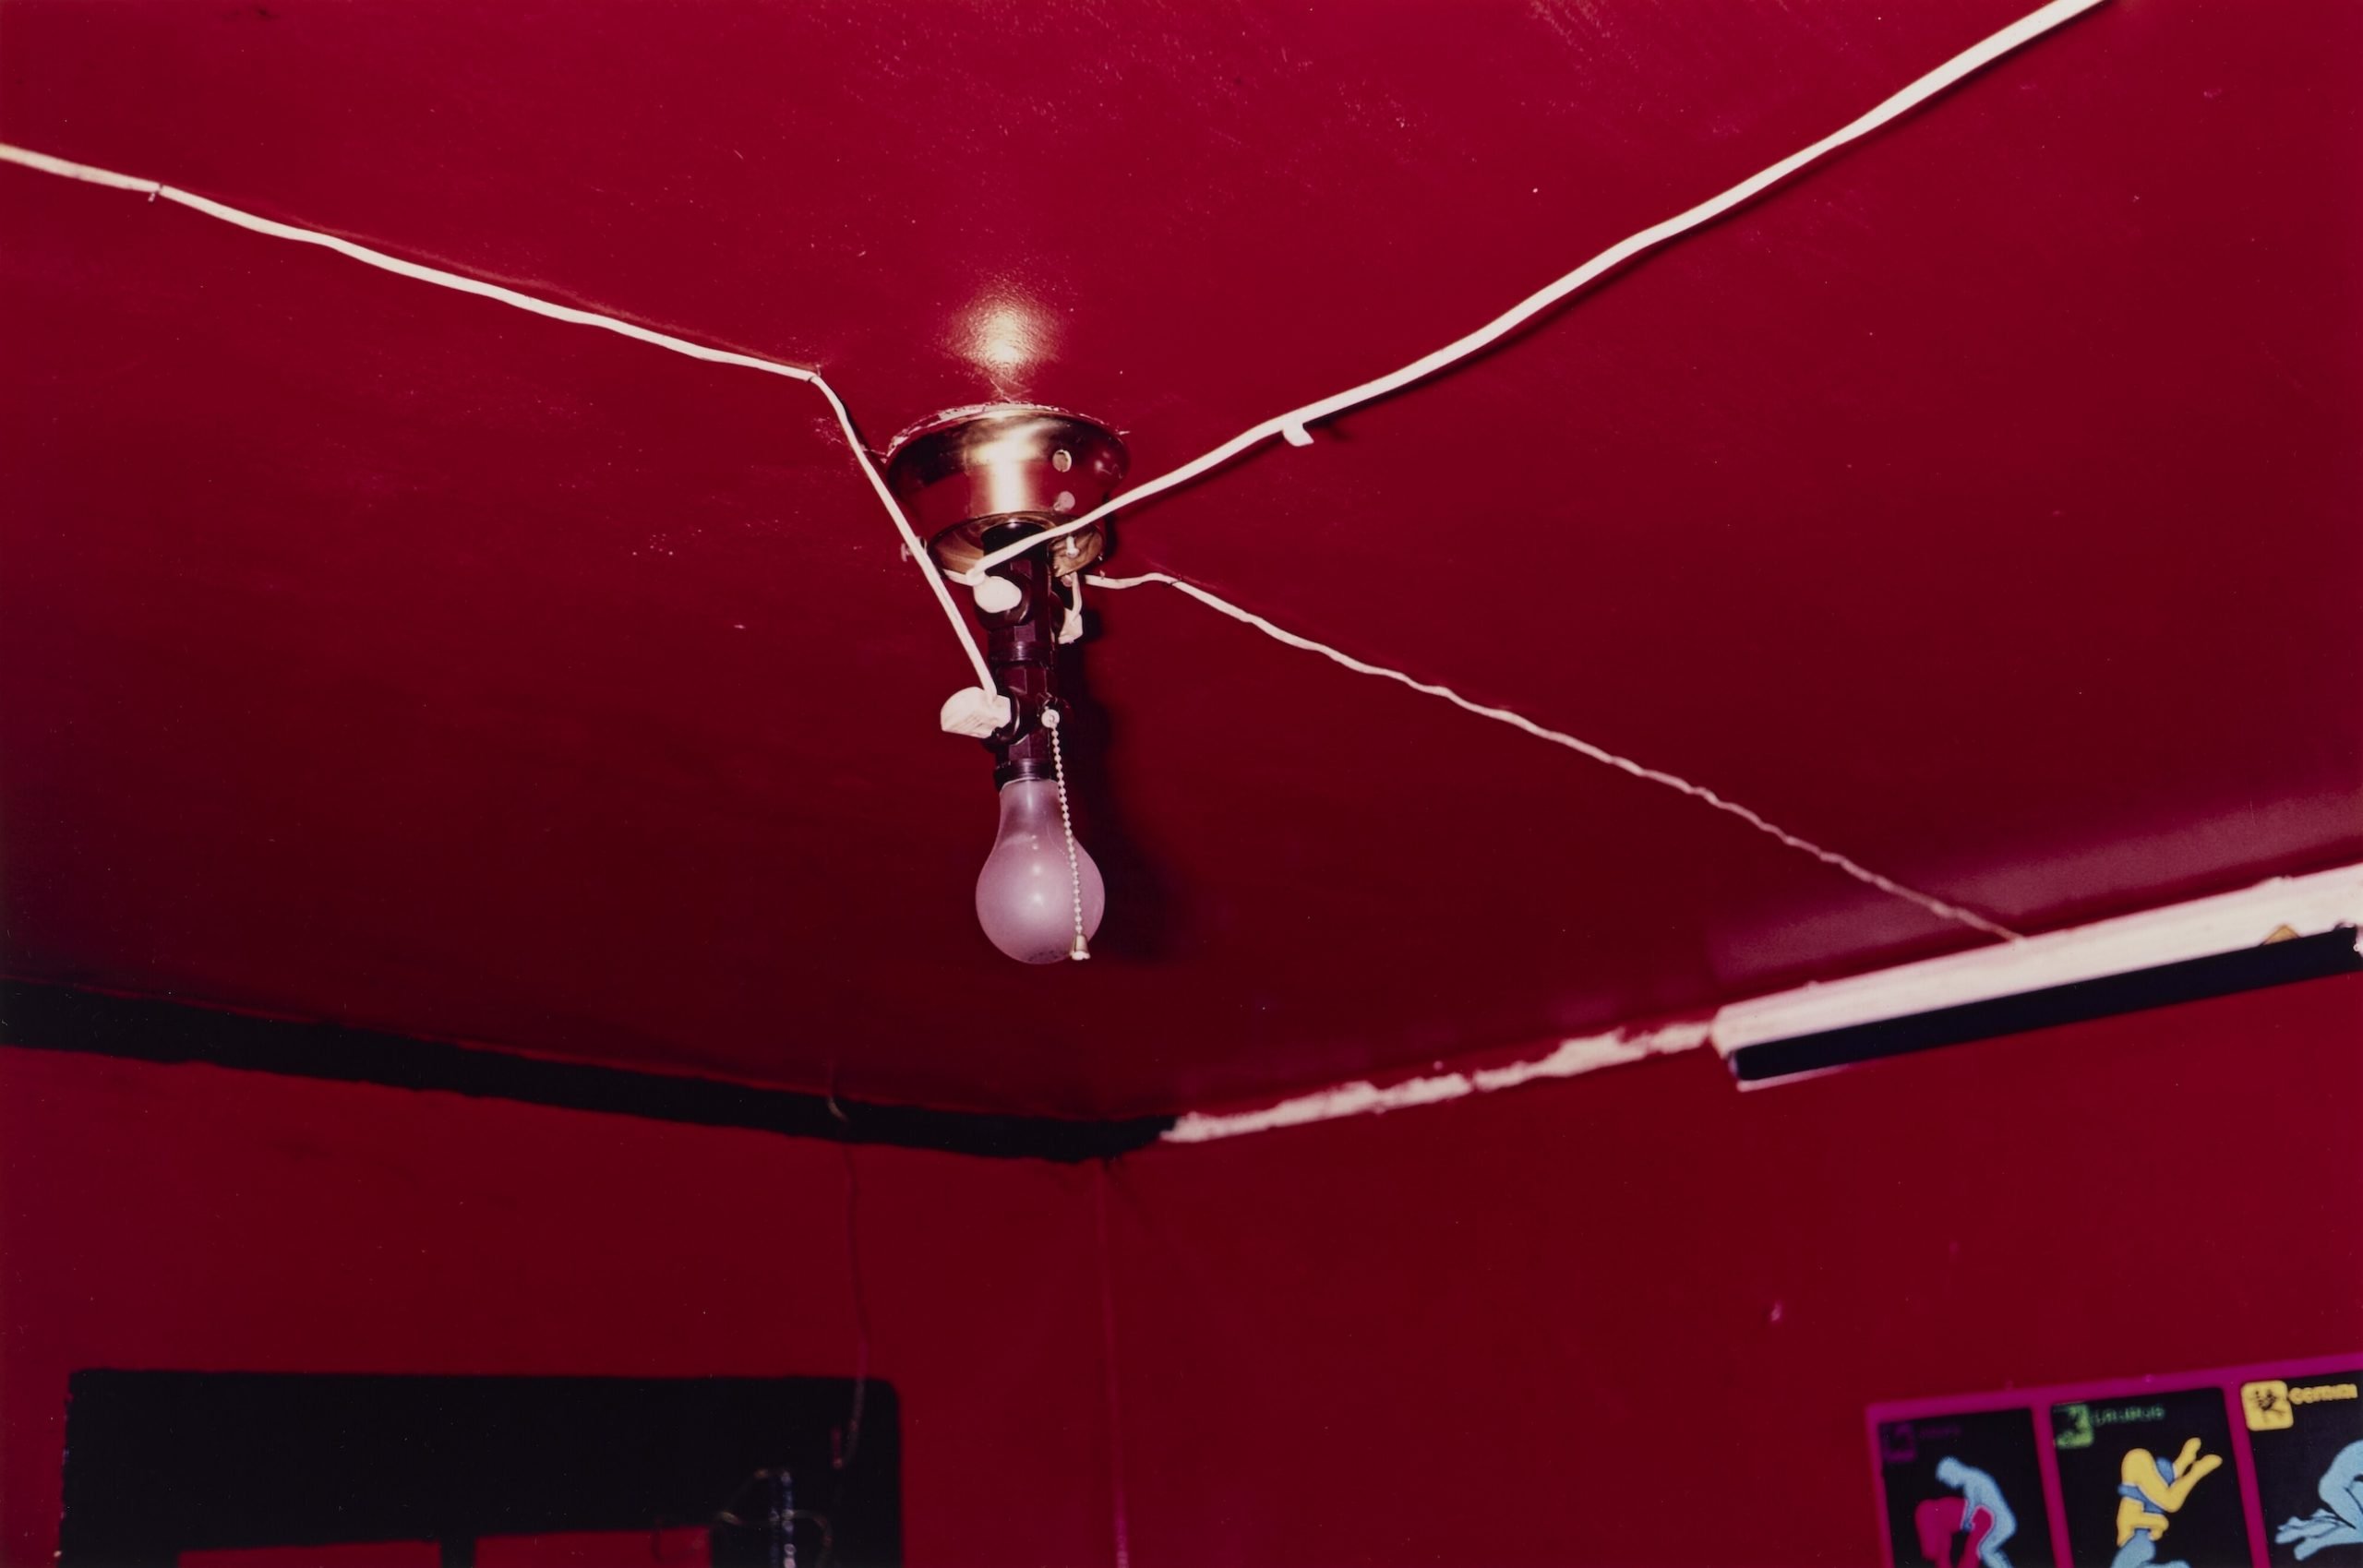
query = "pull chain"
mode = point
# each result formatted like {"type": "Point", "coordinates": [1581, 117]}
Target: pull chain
{"type": "Point", "coordinates": [1067, 820]}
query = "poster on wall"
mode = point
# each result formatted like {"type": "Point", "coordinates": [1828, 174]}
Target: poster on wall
{"type": "Point", "coordinates": [2257, 1464]}
{"type": "Point", "coordinates": [2305, 1431]}
{"type": "Point", "coordinates": [1957, 1486]}
{"type": "Point", "coordinates": [2148, 1481]}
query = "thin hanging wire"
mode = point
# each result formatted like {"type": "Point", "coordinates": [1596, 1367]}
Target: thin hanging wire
{"type": "Point", "coordinates": [727, 1514]}
{"type": "Point", "coordinates": [1120, 1513]}
{"type": "Point", "coordinates": [1066, 821]}
{"type": "Point", "coordinates": [851, 1447]}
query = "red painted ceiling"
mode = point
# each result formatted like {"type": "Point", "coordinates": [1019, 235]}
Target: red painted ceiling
{"type": "Point", "coordinates": [1981, 504]}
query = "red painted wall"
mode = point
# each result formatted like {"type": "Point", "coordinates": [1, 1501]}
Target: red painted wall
{"type": "Point", "coordinates": [192, 1217]}
{"type": "Point", "coordinates": [1635, 1318]}
{"type": "Point", "coordinates": [1630, 1318]}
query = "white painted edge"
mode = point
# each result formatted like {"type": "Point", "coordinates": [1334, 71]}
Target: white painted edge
{"type": "Point", "coordinates": [2304, 906]}
{"type": "Point", "coordinates": [1571, 1058]}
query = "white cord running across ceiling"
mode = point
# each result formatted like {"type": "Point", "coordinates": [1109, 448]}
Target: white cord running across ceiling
{"type": "Point", "coordinates": [1292, 426]}
{"type": "Point", "coordinates": [1853, 868]}
{"type": "Point", "coordinates": [156, 190]}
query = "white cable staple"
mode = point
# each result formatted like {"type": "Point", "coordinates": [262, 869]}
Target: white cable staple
{"type": "Point", "coordinates": [462, 283]}
{"type": "Point", "coordinates": [1290, 426]}
{"type": "Point", "coordinates": [1854, 868]}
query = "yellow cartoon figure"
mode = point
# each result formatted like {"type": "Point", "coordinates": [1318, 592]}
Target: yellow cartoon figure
{"type": "Point", "coordinates": [2149, 1489]}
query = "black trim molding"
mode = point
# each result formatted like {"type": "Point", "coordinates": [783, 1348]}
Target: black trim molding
{"type": "Point", "coordinates": [2248, 969]}
{"type": "Point", "coordinates": [47, 1017]}
{"type": "Point", "coordinates": [63, 1017]}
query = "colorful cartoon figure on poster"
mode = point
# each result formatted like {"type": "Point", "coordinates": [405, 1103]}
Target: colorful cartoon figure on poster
{"type": "Point", "coordinates": [1978, 1511]}
{"type": "Point", "coordinates": [2148, 1490]}
{"type": "Point", "coordinates": [2339, 1522]}
{"type": "Point", "coordinates": [1980, 1494]}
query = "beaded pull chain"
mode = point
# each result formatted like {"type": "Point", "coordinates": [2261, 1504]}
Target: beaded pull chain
{"type": "Point", "coordinates": [1067, 820]}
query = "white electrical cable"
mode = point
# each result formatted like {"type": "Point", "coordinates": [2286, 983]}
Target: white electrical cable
{"type": "Point", "coordinates": [493, 291]}
{"type": "Point", "coordinates": [1291, 426]}
{"type": "Point", "coordinates": [1853, 868]}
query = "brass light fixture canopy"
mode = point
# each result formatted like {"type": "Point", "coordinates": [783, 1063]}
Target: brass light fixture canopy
{"type": "Point", "coordinates": [1004, 469]}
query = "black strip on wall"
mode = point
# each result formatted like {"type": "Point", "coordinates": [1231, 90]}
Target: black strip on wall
{"type": "Point", "coordinates": [2275, 964]}
{"type": "Point", "coordinates": [44, 1017]}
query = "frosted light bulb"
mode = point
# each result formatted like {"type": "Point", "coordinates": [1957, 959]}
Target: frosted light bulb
{"type": "Point", "coordinates": [1026, 893]}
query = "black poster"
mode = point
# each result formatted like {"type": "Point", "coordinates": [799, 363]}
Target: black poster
{"type": "Point", "coordinates": [2307, 1436]}
{"type": "Point", "coordinates": [1965, 1490]}
{"type": "Point", "coordinates": [2149, 1482]}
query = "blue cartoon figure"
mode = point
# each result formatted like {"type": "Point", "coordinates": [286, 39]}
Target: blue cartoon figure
{"type": "Point", "coordinates": [1979, 1493]}
{"type": "Point", "coordinates": [2339, 1522]}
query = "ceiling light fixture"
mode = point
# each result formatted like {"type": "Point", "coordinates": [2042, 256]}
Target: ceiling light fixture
{"type": "Point", "coordinates": [974, 481]}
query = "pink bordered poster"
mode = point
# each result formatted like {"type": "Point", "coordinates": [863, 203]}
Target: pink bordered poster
{"type": "Point", "coordinates": [2237, 1467]}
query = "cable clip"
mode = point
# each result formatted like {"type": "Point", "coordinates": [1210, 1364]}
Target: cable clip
{"type": "Point", "coordinates": [976, 712]}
